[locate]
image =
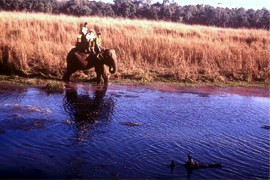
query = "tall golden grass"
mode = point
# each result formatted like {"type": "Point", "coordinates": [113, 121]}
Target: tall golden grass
{"type": "Point", "coordinates": [147, 50]}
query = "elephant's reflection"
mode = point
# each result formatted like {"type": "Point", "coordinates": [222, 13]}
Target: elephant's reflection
{"type": "Point", "coordinates": [87, 111]}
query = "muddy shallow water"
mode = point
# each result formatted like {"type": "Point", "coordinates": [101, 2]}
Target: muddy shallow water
{"type": "Point", "coordinates": [133, 132]}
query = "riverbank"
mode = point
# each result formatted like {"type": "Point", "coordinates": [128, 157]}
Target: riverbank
{"type": "Point", "coordinates": [50, 85]}
{"type": "Point", "coordinates": [21, 81]}
{"type": "Point", "coordinates": [241, 88]}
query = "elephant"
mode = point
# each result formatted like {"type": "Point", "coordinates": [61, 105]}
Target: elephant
{"type": "Point", "coordinates": [81, 61]}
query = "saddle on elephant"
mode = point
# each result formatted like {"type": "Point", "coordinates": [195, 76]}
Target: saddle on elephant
{"type": "Point", "coordinates": [83, 56]}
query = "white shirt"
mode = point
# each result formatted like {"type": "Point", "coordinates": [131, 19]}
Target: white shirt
{"type": "Point", "coordinates": [90, 37]}
{"type": "Point", "coordinates": [84, 30]}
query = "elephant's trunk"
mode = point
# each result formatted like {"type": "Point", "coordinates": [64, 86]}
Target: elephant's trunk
{"type": "Point", "coordinates": [112, 69]}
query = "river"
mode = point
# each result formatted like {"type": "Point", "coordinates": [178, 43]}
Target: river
{"type": "Point", "coordinates": [133, 131]}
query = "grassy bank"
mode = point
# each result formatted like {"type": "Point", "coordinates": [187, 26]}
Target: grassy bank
{"type": "Point", "coordinates": [58, 85]}
{"type": "Point", "coordinates": [49, 85]}
{"type": "Point", "coordinates": [148, 51]}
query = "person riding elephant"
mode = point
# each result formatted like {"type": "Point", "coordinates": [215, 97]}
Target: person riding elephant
{"type": "Point", "coordinates": [90, 37]}
{"type": "Point", "coordinates": [84, 31]}
{"type": "Point", "coordinates": [97, 42]}
{"type": "Point", "coordinates": [82, 43]}
{"type": "Point", "coordinates": [82, 61]}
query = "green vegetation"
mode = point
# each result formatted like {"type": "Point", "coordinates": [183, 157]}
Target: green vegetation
{"type": "Point", "coordinates": [55, 86]}
{"type": "Point", "coordinates": [49, 85]}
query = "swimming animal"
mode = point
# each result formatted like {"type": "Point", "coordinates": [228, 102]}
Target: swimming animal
{"type": "Point", "coordinates": [191, 164]}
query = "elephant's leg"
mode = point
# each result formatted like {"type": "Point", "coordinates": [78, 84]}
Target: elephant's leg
{"type": "Point", "coordinates": [66, 76]}
{"type": "Point", "coordinates": [68, 73]}
{"type": "Point", "coordinates": [105, 76]}
{"type": "Point", "coordinates": [98, 70]}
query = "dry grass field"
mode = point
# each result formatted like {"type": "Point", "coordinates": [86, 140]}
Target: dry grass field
{"type": "Point", "coordinates": [37, 44]}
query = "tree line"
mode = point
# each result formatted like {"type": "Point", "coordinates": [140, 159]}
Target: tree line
{"type": "Point", "coordinates": [145, 9]}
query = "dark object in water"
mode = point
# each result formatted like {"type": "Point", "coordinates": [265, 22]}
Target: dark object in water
{"type": "Point", "coordinates": [172, 165]}
{"type": "Point", "coordinates": [265, 127]}
{"type": "Point", "coordinates": [191, 164]}
{"type": "Point", "coordinates": [130, 123]}
{"type": "Point", "coordinates": [200, 166]}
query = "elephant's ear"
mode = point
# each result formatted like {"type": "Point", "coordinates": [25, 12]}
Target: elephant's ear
{"type": "Point", "coordinates": [107, 53]}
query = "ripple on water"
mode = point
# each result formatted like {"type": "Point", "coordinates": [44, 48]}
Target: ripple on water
{"type": "Point", "coordinates": [216, 128]}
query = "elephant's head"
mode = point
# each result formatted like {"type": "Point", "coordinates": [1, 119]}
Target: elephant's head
{"type": "Point", "coordinates": [109, 58]}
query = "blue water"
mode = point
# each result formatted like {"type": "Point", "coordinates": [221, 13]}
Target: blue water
{"type": "Point", "coordinates": [79, 133]}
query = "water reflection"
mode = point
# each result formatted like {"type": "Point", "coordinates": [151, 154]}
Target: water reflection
{"type": "Point", "coordinates": [189, 172]}
{"type": "Point", "coordinates": [37, 143]}
{"type": "Point", "coordinates": [88, 108]}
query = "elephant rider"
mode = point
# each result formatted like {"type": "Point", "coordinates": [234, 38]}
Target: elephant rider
{"type": "Point", "coordinates": [98, 43]}
{"type": "Point", "coordinates": [82, 43]}
{"type": "Point", "coordinates": [90, 37]}
{"type": "Point", "coordinates": [84, 31]}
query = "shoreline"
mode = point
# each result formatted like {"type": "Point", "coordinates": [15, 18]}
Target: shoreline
{"type": "Point", "coordinates": [238, 87]}
{"type": "Point", "coordinates": [22, 81]}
